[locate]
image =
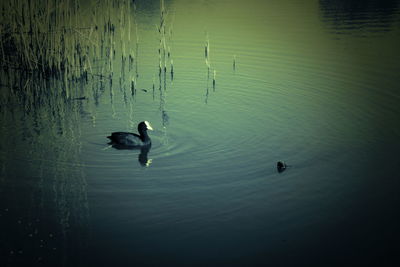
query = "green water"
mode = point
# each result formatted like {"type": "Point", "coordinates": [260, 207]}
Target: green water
{"type": "Point", "coordinates": [312, 83]}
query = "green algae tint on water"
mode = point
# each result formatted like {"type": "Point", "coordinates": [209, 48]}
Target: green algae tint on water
{"type": "Point", "coordinates": [230, 88]}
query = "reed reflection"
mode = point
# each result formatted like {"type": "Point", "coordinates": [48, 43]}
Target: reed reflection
{"type": "Point", "coordinates": [371, 16]}
{"type": "Point", "coordinates": [42, 169]}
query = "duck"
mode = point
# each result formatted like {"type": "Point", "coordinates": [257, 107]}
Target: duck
{"type": "Point", "coordinates": [281, 166]}
{"type": "Point", "coordinates": [127, 139]}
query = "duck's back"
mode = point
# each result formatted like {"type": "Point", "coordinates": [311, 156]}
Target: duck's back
{"type": "Point", "coordinates": [126, 139]}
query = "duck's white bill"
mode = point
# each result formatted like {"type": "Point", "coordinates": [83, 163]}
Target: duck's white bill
{"type": "Point", "coordinates": [148, 125]}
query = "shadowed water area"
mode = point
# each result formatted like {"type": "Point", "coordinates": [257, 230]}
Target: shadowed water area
{"type": "Point", "coordinates": [230, 88]}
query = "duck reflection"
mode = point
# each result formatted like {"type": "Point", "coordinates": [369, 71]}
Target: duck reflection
{"type": "Point", "coordinates": [143, 158]}
{"type": "Point", "coordinates": [143, 155]}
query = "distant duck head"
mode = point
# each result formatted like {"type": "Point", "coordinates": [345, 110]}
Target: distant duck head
{"type": "Point", "coordinates": [281, 166]}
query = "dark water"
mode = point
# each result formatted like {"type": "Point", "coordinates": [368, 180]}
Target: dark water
{"type": "Point", "coordinates": [313, 83]}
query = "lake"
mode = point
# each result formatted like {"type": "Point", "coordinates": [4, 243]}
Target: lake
{"type": "Point", "coordinates": [230, 88]}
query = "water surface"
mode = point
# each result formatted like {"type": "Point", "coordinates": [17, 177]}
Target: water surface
{"type": "Point", "coordinates": [315, 84]}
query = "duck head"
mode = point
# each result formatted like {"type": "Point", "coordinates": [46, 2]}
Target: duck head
{"type": "Point", "coordinates": [144, 126]}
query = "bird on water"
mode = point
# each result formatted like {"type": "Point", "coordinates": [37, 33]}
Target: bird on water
{"type": "Point", "coordinates": [131, 139]}
{"type": "Point", "coordinates": [281, 166]}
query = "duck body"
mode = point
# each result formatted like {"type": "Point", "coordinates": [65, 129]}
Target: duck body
{"type": "Point", "coordinates": [127, 139]}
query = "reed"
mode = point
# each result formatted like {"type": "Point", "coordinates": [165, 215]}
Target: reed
{"type": "Point", "coordinates": [164, 29]}
{"type": "Point", "coordinates": [137, 54]}
{"type": "Point", "coordinates": [66, 40]}
{"type": "Point", "coordinates": [154, 86]}
{"type": "Point", "coordinates": [172, 69]}
{"type": "Point", "coordinates": [207, 48]}
{"type": "Point", "coordinates": [214, 77]}
{"type": "Point", "coordinates": [133, 86]}
{"type": "Point", "coordinates": [207, 56]}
